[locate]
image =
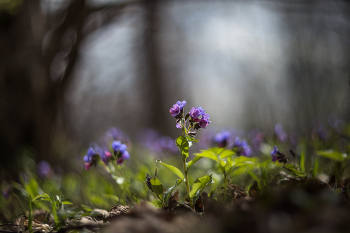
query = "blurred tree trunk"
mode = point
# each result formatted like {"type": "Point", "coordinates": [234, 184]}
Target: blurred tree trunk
{"type": "Point", "coordinates": [38, 56]}
{"type": "Point", "coordinates": [153, 74]}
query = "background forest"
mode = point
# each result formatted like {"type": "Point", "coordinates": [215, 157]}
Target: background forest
{"type": "Point", "coordinates": [70, 70]}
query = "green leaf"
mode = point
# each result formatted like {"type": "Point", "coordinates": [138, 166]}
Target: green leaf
{"type": "Point", "coordinates": [175, 170]}
{"type": "Point", "coordinates": [190, 163]}
{"type": "Point", "coordinates": [254, 176]}
{"type": "Point", "coordinates": [217, 150]}
{"type": "Point", "coordinates": [32, 187]}
{"type": "Point", "coordinates": [292, 170]}
{"type": "Point", "coordinates": [67, 203]}
{"type": "Point", "coordinates": [182, 144]}
{"type": "Point", "coordinates": [192, 139]}
{"type": "Point", "coordinates": [44, 197]}
{"type": "Point", "coordinates": [208, 154]}
{"type": "Point", "coordinates": [240, 170]}
{"type": "Point", "coordinates": [200, 184]}
{"type": "Point", "coordinates": [246, 160]}
{"type": "Point", "coordinates": [222, 165]}
{"type": "Point", "coordinates": [331, 154]}
{"type": "Point", "coordinates": [302, 161]}
{"type": "Point", "coordinates": [229, 164]}
{"type": "Point", "coordinates": [226, 153]}
{"type": "Point", "coordinates": [157, 186]}
{"type": "Point", "coordinates": [168, 192]}
{"type": "Point", "coordinates": [19, 188]}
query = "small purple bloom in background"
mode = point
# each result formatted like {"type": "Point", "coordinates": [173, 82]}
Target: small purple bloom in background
{"type": "Point", "coordinates": [274, 154]}
{"type": "Point", "coordinates": [282, 136]}
{"type": "Point", "coordinates": [178, 125]}
{"type": "Point", "coordinates": [6, 191]}
{"type": "Point", "coordinates": [319, 132]}
{"type": "Point", "coordinates": [44, 169]}
{"type": "Point", "coordinates": [116, 145]}
{"type": "Point", "coordinates": [104, 154]}
{"type": "Point", "coordinates": [156, 143]}
{"type": "Point", "coordinates": [120, 151]}
{"type": "Point", "coordinates": [125, 155]}
{"type": "Point", "coordinates": [88, 158]}
{"type": "Point", "coordinates": [336, 123]}
{"type": "Point", "coordinates": [242, 147]}
{"type": "Point", "coordinates": [278, 156]}
{"type": "Point", "coordinates": [176, 109]}
{"type": "Point", "coordinates": [222, 138]}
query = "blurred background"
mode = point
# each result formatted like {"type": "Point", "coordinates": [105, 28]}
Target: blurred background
{"type": "Point", "coordinates": [71, 69]}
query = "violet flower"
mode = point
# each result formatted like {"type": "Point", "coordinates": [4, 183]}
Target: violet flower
{"type": "Point", "coordinates": [242, 147]}
{"type": "Point", "coordinates": [278, 156]}
{"type": "Point", "coordinates": [222, 138]}
{"type": "Point", "coordinates": [120, 151]}
{"type": "Point", "coordinates": [274, 154]}
{"type": "Point", "coordinates": [176, 109]}
{"type": "Point", "coordinates": [44, 169]}
{"type": "Point", "coordinates": [195, 113]}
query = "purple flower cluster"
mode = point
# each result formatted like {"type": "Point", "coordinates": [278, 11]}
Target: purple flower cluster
{"type": "Point", "coordinates": [242, 147]}
{"type": "Point", "coordinates": [120, 151]}
{"type": "Point", "coordinates": [197, 117]}
{"type": "Point", "coordinates": [96, 152]}
{"type": "Point", "coordinates": [221, 139]}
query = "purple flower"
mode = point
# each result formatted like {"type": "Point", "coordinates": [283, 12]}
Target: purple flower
{"type": "Point", "coordinates": [89, 154]}
{"type": "Point", "coordinates": [204, 121]}
{"type": "Point", "coordinates": [176, 109]}
{"type": "Point", "coordinates": [116, 145]}
{"type": "Point", "coordinates": [222, 138]}
{"type": "Point", "coordinates": [120, 151]}
{"type": "Point", "coordinates": [195, 113]}
{"type": "Point", "coordinates": [6, 191]}
{"type": "Point", "coordinates": [125, 155]}
{"type": "Point", "coordinates": [44, 169]}
{"type": "Point", "coordinates": [178, 125]}
{"type": "Point", "coordinates": [274, 154]}
{"type": "Point", "coordinates": [242, 147]}
{"type": "Point", "coordinates": [88, 158]}
{"type": "Point", "coordinates": [282, 136]}
{"type": "Point", "coordinates": [278, 156]}
{"type": "Point", "coordinates": [181, 104]}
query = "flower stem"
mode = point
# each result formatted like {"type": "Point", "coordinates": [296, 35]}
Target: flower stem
{"type": "Point", "coordinates": [187, 185]}
{"type": "Point", "coordinates": [225, 186]}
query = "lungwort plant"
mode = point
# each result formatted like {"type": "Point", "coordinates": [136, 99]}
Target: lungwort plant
{"type": "Point", "coordinates": [189, 123]}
